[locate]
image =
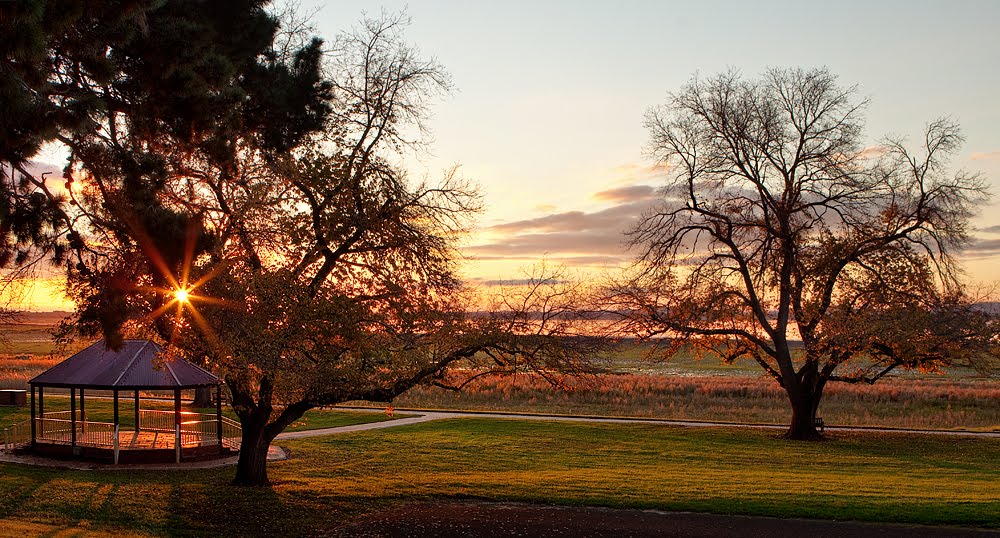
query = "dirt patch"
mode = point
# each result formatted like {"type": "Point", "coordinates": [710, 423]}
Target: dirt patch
{"type": "Point", "coordinates": [469, 519]}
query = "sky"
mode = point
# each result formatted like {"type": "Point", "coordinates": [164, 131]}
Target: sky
{"type": "Point", "coordinates": [547, 115]}
{"type": "Point", "coordinates": [550, 96]}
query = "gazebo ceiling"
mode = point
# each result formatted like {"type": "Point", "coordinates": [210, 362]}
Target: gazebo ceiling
{"type": "Point", "coordinates": [139, 364]}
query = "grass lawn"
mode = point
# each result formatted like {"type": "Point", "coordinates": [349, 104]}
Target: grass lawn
{"type": "Point", "coordinates": [863, 476]}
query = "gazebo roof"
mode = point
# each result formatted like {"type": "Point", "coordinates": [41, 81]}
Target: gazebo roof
{"type": "Point", "coordinates": [139, 364]}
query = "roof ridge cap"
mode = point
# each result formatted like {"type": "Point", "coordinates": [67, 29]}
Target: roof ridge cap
{"type": "Point", "coordinates": [129, 365]}
{"type": "Point", "coordinates": [172, 374]}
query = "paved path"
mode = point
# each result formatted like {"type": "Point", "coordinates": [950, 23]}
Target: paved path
{"type": "Point", "coordinates": [425, 416]}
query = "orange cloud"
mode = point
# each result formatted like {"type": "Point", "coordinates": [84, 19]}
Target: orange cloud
{"type": "Point", "coordinates": [986, 156]}
{"type": "Point", "coordinates": [626, 194]}
{"type": "Point", "coordinates": [573, 238]}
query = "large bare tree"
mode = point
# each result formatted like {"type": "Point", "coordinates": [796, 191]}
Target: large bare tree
{"type": "Point", "coordinates": [778, 226]}
{"type": "Point", "coordinates": [314, 269]}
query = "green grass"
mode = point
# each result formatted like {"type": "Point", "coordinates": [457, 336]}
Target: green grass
{"type": "Point", "coordinates": [873, 477]}
{"type": "Point", "coordinates": [317, 419]}
{"type": "Point", "coordinates": [102, 410]}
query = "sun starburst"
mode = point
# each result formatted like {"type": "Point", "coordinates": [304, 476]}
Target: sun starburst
{"type": "Point", "coordinates": [181, 295]}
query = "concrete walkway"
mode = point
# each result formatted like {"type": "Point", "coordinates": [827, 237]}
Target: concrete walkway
{"type": "Point", "coordinates": [423, 417]}
{"type": "Point", "coordinates": [426, 416]}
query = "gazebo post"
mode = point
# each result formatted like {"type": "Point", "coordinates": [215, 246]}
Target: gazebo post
{"type": "Point", "coordinates": [137, 411]}
{"type": "Point", "coordinates": [115, 392]}
{"type": "Point", "coordinates": [218, 414]}
{"type": "Point", "coordinates": [32, 417]}
{"type": "Point", "coordinates": [72, 419]}
{"type": "Point", "coordinates": [83, 413]}
{"type": "Point", "coordinates": [41, 410]}
{"type": "Point", "coordinates": [177, 423]}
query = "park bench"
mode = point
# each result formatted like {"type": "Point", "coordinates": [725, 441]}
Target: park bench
{"type": "Point", "coordinates": [819, 424]}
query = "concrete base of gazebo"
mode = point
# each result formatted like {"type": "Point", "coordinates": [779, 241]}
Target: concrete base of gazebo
{"type": "Point", "coordinates": [129, 456]}
{"type": "Point", "coordinates": [25, 457]}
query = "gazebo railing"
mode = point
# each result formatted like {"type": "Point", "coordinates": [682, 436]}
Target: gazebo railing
{"type": "Point", "coordinates": [60, 431]}
{"type": "Point", "coordinates": [151, 419]}
{"type": "Point", "coordinates": [17, 435]}
{"type": "Point", "coordinates": [196, 429]}
{"type": "Point", "coordinates": [48, 428]}
{"type": "Point", "coordinates": [63, 415]}
{"type": "Point", "coordinates": [232, 433]}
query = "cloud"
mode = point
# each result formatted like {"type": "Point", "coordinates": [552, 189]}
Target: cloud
{"type": "Point", "coordinates": [569, 260]}
{"type": "Point", "coordinates": [37, 168]}
{"type": "Point", "coordinates": [545, 208]}
{"type": "Point", "coordinates": [633, 172]}
{"type": "Point", "coordinates": [991, 229]}
{"type": "Point", "coordinates": [52, 174]}
{"type": "Point", "coordinates": [626, 194]}
{"type": "Point", "coordinates": [516, 281]}
{"type": "Point", "coordinates": [983, 247]}
{"type": "Point", "coordinates": [618, 218]}
{"type": "Point", "coordinates": [606, 241]}
{"type": "Point", "coordinates": [986, 156]}
{"type": "Point", "coordinates": [570, 237]}
{"type": "Point", "coordinates": [873, 152]}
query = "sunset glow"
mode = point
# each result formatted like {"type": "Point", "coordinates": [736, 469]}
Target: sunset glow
{"type": "Point", "coordinates": [580, 77]}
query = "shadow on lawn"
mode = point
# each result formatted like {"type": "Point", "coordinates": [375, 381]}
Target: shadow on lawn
{"type": "Point", "coordinates": [154, 502]}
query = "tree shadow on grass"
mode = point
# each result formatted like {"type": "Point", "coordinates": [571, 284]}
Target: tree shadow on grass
{"type": "Point", "coordinates": [218, 507]}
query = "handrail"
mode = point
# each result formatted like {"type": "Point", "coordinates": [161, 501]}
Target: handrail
{"type": "Point", "coordinates": [232, 433]}
{"type": "Point", "coordinates": [17, 435]}
{"type": "Point", "coordinates": [102, 434]}
{"type": "Point", "coordinates": [88, 433]}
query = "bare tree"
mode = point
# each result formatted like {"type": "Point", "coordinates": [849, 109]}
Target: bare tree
{"type": "Point", "coordinates": [778, 225]}
{"type": "Point", "coordinates": [315, 270]}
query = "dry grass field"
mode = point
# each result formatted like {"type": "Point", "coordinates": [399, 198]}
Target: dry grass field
{"type": "Point", "coordinates": [682, 388]}
{"type": "Point", "coordinates": [924, 403]}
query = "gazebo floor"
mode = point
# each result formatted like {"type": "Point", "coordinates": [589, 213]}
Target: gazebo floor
{"type": "Point", "coordinates": [149, 447]}
{"type": "Point", "coordinates": [128, 440]}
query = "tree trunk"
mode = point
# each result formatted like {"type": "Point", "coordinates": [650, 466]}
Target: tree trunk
{"type": "Point", "coordinates": [251, 468]}
{"type": "Point", "coordinates": [805, 402]}
{"type": "Point", "coordinates": [258, 432]}
{"type": "Point", "coordinates": [202, 397]}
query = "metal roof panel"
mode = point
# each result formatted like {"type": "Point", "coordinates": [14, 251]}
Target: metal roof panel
{"type": "Point", "coordinates": [139, 363]}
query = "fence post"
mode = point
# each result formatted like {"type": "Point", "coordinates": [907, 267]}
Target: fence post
{"type": "Point", "coordinates": [72, 419]}
{"type": "Point", "coordinates": [177, 422]}
{"type": "Point", "coordinates": [218, 414]}
{"type": "Point", "coordinates": [83, 412]}
{"type": "Point", "coordinates": [32, 417]}
{"type": "Point", "coordinates": [41, 412]}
